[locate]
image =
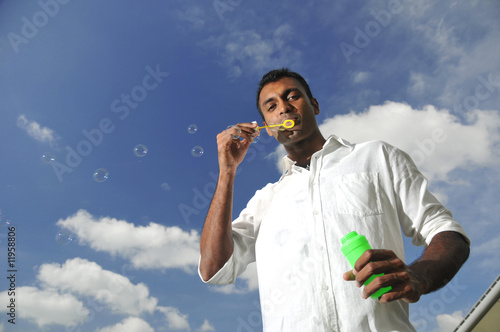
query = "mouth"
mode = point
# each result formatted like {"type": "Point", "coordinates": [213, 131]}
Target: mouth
{"type": "Point", "coordinates": [288, 124]}
{"type": "Point", "coordinates": [296, 122]}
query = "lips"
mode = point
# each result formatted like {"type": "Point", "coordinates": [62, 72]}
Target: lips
{"type": "Point", "coordinates": [295, 121]}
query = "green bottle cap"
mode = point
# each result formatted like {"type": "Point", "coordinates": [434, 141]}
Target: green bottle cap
{"type": "Point", "coordinates": [348, 237]}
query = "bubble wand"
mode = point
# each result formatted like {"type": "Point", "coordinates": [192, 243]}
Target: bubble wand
{"type": "Point", "coordinates": [287, 125]}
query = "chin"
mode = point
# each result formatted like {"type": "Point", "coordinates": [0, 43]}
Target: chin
{"type": "Point", "coordinates": [293, 136]}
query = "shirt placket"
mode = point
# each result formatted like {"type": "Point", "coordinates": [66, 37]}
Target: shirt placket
{"type": "Point", "coordinates": [329, 321]}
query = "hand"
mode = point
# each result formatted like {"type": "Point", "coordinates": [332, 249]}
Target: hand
{"type": "Point", "coordinates": [232, 151]}
{"type": "Point", "coordinates": [406, 285]}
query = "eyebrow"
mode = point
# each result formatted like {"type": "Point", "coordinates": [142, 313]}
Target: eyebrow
{"type": "Point", "coordinates": [285, 93]}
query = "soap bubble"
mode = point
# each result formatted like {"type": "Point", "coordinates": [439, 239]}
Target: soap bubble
{"type": "Point", "coordinates": [192, 129]}
{"type": "Point", "coordinates": [165, 186]}
{"type": "Point", "coordinates": [256, 139]}
{"type": "Point", "coordinates": [274, 129]}
{"type": "Point", "coordinates": [140, 150]}
{"type": "Point", "coordinates": [197, 151]}
{"type": "Point", "coordinates": [47, 158]}
{"type": "Point", "coordinates": [64, 237]}
{"type": "Point", "coordinates": [4, 220]}
{"type": "Point", "coordinates": [101, 175]}
{"type": "Point", "coordinates": [234, 131]}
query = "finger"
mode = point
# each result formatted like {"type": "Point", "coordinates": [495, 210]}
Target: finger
{"type": "Point", "coordinates": [248, 126]}
{"type": "Point", "coordinates": [244, 130]}
{"type": "Point", "coordinates": [252, 124]}
{"type": "Point", "coordinates": [232, 132]}
{"type": "Point", "coordinates": [373, 255]}
{"type": "Point", "coordinates": [349, 275]}
{"type": "Point", "coordinates": [399, 282]}
{"type": "Point", "coordinates": [380, 267]}
{"type": "Point", "coordinates": [248, 129]}
{"type": "Point", "coordinates": [398, 294]}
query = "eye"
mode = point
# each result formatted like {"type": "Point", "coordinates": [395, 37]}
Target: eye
{"type": "Point", "coordinates": [293, 97]}
{"type": "Point", "coordinates": [272, 107]}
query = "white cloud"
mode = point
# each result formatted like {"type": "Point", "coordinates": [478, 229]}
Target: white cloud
{"type": "Point", "coordinates": [434, 138]}
{"type": "Point", "coordinates": [417, 82]}
{"type": "Point", "coordinates": [175, 320]}
{"type": "Point", "coordinates": [461, 52]}
{"type": "Point", "coordinates": [56, 301]}
{"type": "Point", "coordinates": [49, 307]}
{"type": "Point", "coordinates": [205, 327]}
{"type": "Point", "coordinates": [448, 323]}
{"type": "Point", "coordinates": [130, 324]}
{"type": "Point", "coordinates": [193, 15]}
{"type": "Point", "coordinates": [34, 130]}
{"type": "Point", "coordinates": [148, 247]}
{"type": "Point", "coordinates": [361, 77]}
{"type": "Point", "coordinates": [87, 278]}
{"type": "Point", "coordinates": [487, 252]}
{"type": "Point", "coordinates": [248, 51]}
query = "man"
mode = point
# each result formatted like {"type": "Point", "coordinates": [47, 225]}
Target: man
{"type": "Point", "coordinates": [292, 228]}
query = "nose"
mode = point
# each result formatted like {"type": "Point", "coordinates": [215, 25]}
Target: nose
{"type": "Point", "coordinates": [284, 107]}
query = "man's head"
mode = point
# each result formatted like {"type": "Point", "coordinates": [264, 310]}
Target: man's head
{"type": "Point", "coordinates": [274, 76]}
{"type": "Point", "coordinates": [285, 95]}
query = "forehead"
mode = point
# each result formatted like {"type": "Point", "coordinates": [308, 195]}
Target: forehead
{"type": "Point", "coordinates": [277, 88]}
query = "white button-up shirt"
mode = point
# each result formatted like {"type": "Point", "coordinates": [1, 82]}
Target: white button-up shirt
{"type": "Point", "coordinates": [292, 229]}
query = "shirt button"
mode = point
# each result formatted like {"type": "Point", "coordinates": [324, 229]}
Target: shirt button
{"type": "Point", "coordinates": [320, 247]}
{"type": "Point", "coordinates": [315, 213]}
{"type": "Point", "coordinates": [325, 287]}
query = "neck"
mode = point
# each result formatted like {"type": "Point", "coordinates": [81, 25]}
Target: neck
{"type": "Point", "coordinates": [302, 151]}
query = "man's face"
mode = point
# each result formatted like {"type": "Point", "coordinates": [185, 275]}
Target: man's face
{"type": "Point", "coordinates": [287, 99]}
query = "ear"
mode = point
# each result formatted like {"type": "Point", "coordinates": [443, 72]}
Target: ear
{"type": "Point", "coordinates": [315, 106]}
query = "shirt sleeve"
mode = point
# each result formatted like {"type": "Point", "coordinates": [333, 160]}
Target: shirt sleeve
{"type": "Point", "coordinates": [244, 229]}
{"type": "Point", "coordinates": [421, 215]}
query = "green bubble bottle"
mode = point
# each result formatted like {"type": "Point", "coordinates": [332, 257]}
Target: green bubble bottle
{"type": "Point", "coordinates": [353, 246]}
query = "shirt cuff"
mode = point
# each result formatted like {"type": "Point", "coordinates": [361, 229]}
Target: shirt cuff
{"type": "Point", "coordinates": [224, 276]}
{"type": "Point", "coordinates": [450, 226]}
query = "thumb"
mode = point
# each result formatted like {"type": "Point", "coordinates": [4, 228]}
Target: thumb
{"type": "Point", "coordinates": [349, 275]}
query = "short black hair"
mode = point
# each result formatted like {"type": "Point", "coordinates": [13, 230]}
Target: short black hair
{"type": "Point", "coordinates": [274, 76]}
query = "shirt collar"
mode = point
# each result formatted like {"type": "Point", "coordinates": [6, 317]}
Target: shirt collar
{"type": "Point", "coordinates": [332, 143]}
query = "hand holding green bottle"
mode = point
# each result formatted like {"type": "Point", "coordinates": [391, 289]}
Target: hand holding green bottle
{"type": "Point", "coordinates": [353, 246]}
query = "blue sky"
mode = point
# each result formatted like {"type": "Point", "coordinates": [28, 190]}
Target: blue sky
{"type": "Point", "coordinates": [84, 82]}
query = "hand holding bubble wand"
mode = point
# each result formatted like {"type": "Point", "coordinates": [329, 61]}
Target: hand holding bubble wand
{"type": "Point", "coordinates": [234, 131]}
